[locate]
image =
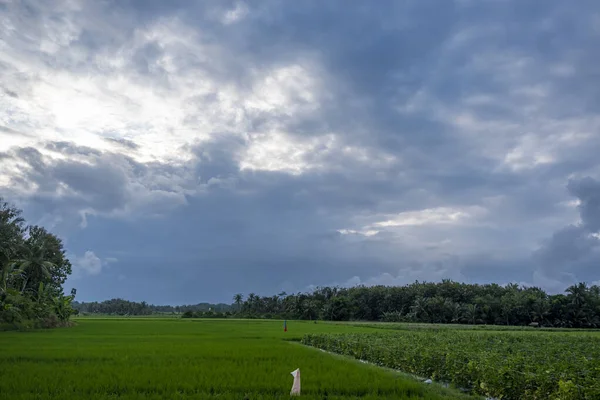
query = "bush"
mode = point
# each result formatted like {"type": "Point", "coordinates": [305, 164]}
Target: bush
{"type": "Point", "coordinates": [28, 324]}
{"type": "Point", "coordinates": [51, 321]}
{"type": "Point", "coordinates": [23, 325]}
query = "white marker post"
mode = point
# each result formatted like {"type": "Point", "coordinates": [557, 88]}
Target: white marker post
{"type": "Point", "coordinates": [296, 385]}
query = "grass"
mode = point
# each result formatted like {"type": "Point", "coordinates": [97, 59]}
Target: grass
{"type": "Point", "coordinates": [126, 317]}
{"type": "Point", "coordinates": [190, 359]}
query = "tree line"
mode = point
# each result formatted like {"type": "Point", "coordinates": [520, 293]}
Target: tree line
{"type": "Point", "coordinates": [124, 307]}
{"type": "Point", "coordinates": [425, 302]}
{"type": "Point", "coordinates": [33, 268]}
{"type": "Point", "coordinates": [422, 302]}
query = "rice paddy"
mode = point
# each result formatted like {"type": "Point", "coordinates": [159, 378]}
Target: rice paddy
{"type": "Point", "coordinates": [191, 359]}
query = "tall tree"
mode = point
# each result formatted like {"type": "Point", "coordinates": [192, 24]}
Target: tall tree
{"type": "Point", "coordinates": [33, 267]}
{"type": "Point", "coordinates": [58, 265]}
{"type": "Point", "coordinates": [11, 232]}
{"type": "Point", "coordinates": [238, 298]}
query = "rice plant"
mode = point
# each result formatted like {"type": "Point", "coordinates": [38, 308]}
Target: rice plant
{"type": "Point", "coordinates": [183, 359]}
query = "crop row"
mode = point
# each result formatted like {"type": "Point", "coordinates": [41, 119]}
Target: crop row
{"type": "Point", "coordinates": [500, 365]}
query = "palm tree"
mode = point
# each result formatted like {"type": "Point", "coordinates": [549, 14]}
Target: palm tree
{"type": "Point", "coordinates": [238, 298]}
{"type": "Point", "coordinates": [457, 313]}
{"type": "Point", "coordinates": [540, 311]}
{"type": "Point", "coordinates": [471, 313]}
{"type": "Point", "coordinates": [11, 230]}
{"type": "Point", "coordinates": [418, 310]}
{"type": "Point", "coordinates": [35, 265]}
{"type": "Point", "coordinates": [577, 293]}
{"type": "Point", "coordinates": [8, 273]}
{"type": "Point", "coordinates": [251, 300]}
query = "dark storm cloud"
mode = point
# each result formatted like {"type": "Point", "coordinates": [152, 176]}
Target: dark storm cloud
{"type": "Point", "coordinates": [218, 158]}
{"type": "Point", "coordinates": [103, 183]}
{"type": "Point", "coordinates": [574, 250]}
{"type": "Point", "coordinates": [98, 182]}
{"type": "Point", "coordinates": [587, 190]}
{"type": "Point", "coordinates": [33, 158]}
{"type": "Point", "coordinates": [241, 241]}
{"type": "Point", "coordinates": [445, 105]}
{"type": "Point", "coordinates": [265, 226]}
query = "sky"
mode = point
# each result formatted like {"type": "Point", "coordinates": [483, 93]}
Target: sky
{"type": "Point", "coordinates": [186, 151]}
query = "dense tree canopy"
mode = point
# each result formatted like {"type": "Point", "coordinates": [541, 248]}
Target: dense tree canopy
{"type": "Point", "coordinates": [124, 307]}
{"type": "Point", "coordinates": [33, 268]}
{"type": "Point", "coordinates": [444, 302]}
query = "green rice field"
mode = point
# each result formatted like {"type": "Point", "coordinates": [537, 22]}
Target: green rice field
{"type": "Point", "coordinates": [191, 359]}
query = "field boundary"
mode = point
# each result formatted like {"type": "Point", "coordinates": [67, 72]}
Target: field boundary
{"type": "Point", "coordinates": [441, 388]}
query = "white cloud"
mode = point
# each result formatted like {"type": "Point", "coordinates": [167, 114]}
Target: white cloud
{"type": "Point", "coordinates": [432, 216]}
{"type": "Point", "coordinates": [281, 152]}
{"type": "Point", "coordinates": [290, 89]}
{"type": "Point", "coordinates": [353, 232]}
{"type": "Point", "coordinates": [88, 264]}
{"type": "Point", "coordinates": [176, 102]}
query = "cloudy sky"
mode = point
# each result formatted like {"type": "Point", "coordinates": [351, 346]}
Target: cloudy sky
{"type": "Point", "coordinates": [186, 151]}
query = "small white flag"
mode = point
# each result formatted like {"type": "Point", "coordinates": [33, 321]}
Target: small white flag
{"type": "Point", "coordinates": [296, 385]}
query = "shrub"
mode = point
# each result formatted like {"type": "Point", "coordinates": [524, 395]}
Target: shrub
{"type": "Point", "coordinates": [499, 365]}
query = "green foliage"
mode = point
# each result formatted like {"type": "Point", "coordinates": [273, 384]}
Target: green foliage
{"type": "Point", "coordinates": [151, 358]}
{"type": "Point", "coordinates": [206, 314]}
{"type": "Point", "coordinates": [443, 303]}
{"type": "Point", "coordinates": [188, 314]}
{"type": "Point", "coordinates": [33, 267]}
{"type": "Point", "coordinates": [506, 365]}
{"type": "Point", "coordinates": [124, 307]}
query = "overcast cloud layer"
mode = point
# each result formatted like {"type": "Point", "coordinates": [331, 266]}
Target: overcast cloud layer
{"type": "Point", "coordinates": [186, 151]}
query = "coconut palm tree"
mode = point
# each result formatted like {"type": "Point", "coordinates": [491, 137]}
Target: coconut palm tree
{"type": "Point", "coordinates": [578, 293]}
{"type": "Point", "coordinates": [11, 230]}
{"type": "Point", "coordinates": [251, 302]}
{"type": "Point", "coordinates": [35, 265]}
{"type": "Point", "coordinates": [238, 299]}
{"type": "Point", "coordinates": [471, 313]}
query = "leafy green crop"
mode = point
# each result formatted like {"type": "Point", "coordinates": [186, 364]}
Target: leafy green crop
{"type": "Point", "coordinates": [507, 365]}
